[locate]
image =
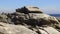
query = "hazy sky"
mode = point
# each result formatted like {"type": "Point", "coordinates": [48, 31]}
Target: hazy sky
{"type": "Point", "coordinates": [47, 6]}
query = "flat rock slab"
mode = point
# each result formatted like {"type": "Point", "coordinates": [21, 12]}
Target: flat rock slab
{"type": "Point", "coordinates": [49, 30]}
{"type": "Point", "coordinates": [14, 29]}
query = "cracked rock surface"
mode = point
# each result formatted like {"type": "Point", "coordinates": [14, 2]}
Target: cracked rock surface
{"type": "Point", "coordinates": [29, 20]}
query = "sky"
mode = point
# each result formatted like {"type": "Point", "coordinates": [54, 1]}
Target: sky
{"type": "Point", "coordinates": [46, 6]}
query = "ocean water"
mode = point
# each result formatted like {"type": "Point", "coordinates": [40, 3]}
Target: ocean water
{"type": "Point", "coordinates": [55, 15]}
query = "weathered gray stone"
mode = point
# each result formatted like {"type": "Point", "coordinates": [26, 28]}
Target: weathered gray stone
{"type": "Point", "coordinates": [58, 19]}
{"type": "Point", "coordinates": [21, 16]}
{"type": "Point", "coordinates": [14, 29]}
{"type": "Point", "coordinates": [3, 18]}
{"type": "Point", "coordinates": [28, 9]}
{"type": "Point", "coordinates": [43, 18]}
{"type": "Point", "coordinates": [28, 18]}
{"type": "Point", "coordinates": [48, 30]}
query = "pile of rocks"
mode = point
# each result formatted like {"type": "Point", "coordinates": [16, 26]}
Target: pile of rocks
{"type": "Point", "coordinates": [29, 20]}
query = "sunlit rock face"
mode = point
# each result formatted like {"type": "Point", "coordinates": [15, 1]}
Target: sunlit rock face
{"type": "Point", "coordinates": [20, 29]}
{"type": "Point", "coordinates": [14, 29]}
{"type": "Point", "coordinates": [29, 20]}
{"type": "Point", "coordinates": [29, 9]}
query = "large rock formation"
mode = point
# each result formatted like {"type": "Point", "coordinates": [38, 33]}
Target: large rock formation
{"type": "Point", "coordinates": [29, 20]}
{"type": "Point", "coordinates": [29, 14]}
